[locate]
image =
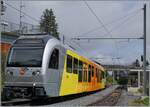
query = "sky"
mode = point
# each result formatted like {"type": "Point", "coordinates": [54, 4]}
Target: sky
{"type": "Point", "coordinates": [121, 19]}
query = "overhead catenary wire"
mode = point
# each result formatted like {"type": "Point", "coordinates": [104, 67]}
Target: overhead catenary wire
{"type": "Point", "coordinates": [22, 12]}
{"type": "Point", "coordinates": [99, 20]}
{"type": "Point", "coordinates": [109, 32]}
{"type": "Point", "coordinates": [135, 12]}
{"type": "Point", "coordinates": [77, 44]}
{"type": "Point", "coordinates": [109, 23]}
{"type": "Point", "coordinates": [117, 28]}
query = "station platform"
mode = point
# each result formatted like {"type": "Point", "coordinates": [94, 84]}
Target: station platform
{"type": "Point", "coordinates": [89, 99]}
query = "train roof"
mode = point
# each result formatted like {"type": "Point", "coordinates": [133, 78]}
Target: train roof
{"type": "Point", "coordinates": [80, 54]}
{"type": "Point", "coordinates": [45, 37]}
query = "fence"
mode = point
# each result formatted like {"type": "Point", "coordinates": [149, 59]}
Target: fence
{"type": "Point", "coordinates": [8, 26]}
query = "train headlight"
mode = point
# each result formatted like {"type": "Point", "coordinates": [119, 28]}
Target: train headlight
{"type": "Point", "coordinates": [9, 72]}
{"type": "Point", "coordinates": [38, 72]}
{"type": "Point", "coordinates": [35, 72]}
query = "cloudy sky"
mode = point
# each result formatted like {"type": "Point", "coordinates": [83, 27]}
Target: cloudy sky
{"type": "Point", "coordinates": [121, 18]}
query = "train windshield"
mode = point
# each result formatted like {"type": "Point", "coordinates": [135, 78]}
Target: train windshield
{"type": "Point", "coordinates": [22, 56]}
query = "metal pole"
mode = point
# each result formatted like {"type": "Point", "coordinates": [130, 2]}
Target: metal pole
{"type": "Point", "coordinates": [144, 51]}
{"type": "Point", "coordinates": [87, 38]}
{"type": "Point", "coordinates": [113, 72]}
{"type": "Point", "coordinates": [20, 26]}
{"type": "Point", "coordinates": [63, 39]}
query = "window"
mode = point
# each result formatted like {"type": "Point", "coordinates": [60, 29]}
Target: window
{"type": "Point", "coordinates": [29, 41]}
{"type": "Point", "coordinates": [85, 76]}
{"type": "Point", "coordinates": [89, 74]}
{"type": "Point", "coordinates": [96, 72]}
{"type": "Point", "coordinates": [25, 57]}
{"type": "Point", "coordinates": [75, 66]}
{"type": "Point", "coordinates": [100, 76]}
{"type": "Point", "coordinates": [80, 71]}
{"type": "Point", "coordinates": [69, 64]}
{"type": "Point", "coordinates": [97, 76]}
{"type": "Point", "coordinates": [92, 71]}
{"type": "Point", "coordinates": [85, 73]}
{"type": "Point", "coordinates": [54, 59]}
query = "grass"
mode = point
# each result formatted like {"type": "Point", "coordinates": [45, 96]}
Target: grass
{"type": "Point", "coordinates": [2, 77]}
{"type": "Point", "coordinates": [3, 57]}
{"type": "Point", "coordinates": [139, 102]}
{"type": "Point", "coordinates": [109, 80]}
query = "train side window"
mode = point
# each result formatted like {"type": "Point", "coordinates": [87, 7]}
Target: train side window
{"type": "Point", "coordinates": [75, 66]}
{"type": "Point", "coordinates": [97, 75]}
{"type": "Point", "coordinates": [80, 71]}
{"type": "Point", "coordinates": [85, 76]}
{"type": "Point", "coordinates": [104, 74]}
{"type": "Point", "coordinates": [69, 64]}
{"type": "Point", "coordinates": [100, 77]}
{"type": "Point", "coordinates": [92, 71]}
{"type": "Point", "coordinates": [95, 72]}
{"type": "Point", "coordinates": [89, 74]}
{"type": "Point", "coordinates": [84, 72]}
{"type": "Point", "coordinates": [54, 59]}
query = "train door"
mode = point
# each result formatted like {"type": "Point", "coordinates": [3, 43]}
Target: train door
{"type": "Point", "coordinates": [53, 73]}
{"type": "Point", "coordinates": [69, 79]}
{"type": "Point", "coordinates": [75, 74]}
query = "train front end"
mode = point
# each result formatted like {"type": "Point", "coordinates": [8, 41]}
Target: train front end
{"type": "Point", "coordinates": [23, 74]}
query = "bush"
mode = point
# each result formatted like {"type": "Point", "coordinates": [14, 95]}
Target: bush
{"type": "Point", "coordinates": [123, 81]}
{"type": "Point", "coordinates": [140, 90]}
{"type": "Point", "coordinates": [109, 80]}
{"type": "Point", "coordinates": [145, 101]}
{"type": "Point", "coordinates": [140, 102]}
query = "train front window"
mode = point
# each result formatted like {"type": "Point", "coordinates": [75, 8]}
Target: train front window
{"type": "Point", "coordinates": [30, 57]}
{"type": "Point", "coordinates": [54, 59]}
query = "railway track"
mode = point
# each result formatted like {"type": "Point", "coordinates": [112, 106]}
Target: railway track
{"type": "Point", "coordinates": [109, 100]}
{"type": "Point", "coordinates": [15, 102]}
{"type": "Point", "coordinates": [41, 101]}
{"type": "Point", "coordinates": [31, 102]}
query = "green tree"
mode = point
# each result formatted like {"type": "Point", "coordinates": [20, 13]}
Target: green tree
{"type": "Point", "coordinates": [48, 23]}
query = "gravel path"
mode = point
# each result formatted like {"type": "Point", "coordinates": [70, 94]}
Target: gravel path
{"type": "Point", "coordinates": [125, 98]}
